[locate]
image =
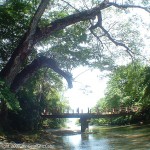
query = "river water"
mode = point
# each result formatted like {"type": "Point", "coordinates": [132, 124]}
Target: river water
{"type": "Point", "coordinates": [95, 138]}
{"type": "Point", "coordinates": [105, 138]}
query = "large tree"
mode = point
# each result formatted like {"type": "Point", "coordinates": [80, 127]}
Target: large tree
{"type": "Point", "coordinates": [56, 24]}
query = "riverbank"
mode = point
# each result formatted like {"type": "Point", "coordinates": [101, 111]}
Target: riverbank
{"type": "Point", "coordinates": [43, 137]}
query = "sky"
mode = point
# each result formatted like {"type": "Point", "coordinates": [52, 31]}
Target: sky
{"type": "Point", "coordinates": [88, 88]}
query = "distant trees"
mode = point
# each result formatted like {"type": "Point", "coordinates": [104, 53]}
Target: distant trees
{"type": "Point", "coordinates": [128, 86]}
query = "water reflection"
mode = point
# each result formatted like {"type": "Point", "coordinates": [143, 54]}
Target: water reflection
{"type": "Point", "coordinates": [85, 142]}
{"type": "Point", "coordinates": [117, 138]}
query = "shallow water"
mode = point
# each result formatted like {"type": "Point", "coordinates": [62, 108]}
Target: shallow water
{"type": "Point", "coordinates": [96, 138]}
{"type": "Point", "coordinates": [107, 138]}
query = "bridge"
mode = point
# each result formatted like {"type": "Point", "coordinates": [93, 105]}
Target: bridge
{"type": "Point", "coordinates": [85, 117]}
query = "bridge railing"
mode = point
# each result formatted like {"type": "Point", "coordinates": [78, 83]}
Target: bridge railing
{"type": "Point", "coordinates": [117, 110]}
{"type": "Point", "coordinates": [90, 111]}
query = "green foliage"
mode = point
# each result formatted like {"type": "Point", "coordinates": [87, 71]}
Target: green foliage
{"type": "Point", "coordinates": [145, 2]}
{"type": "Point", "coordinates": [55, 123]}
{"type": "Point", "coordinates": [126, 82]}
{"type": "Point", "coordinates": [70, 47]}
{"type": "Point", "coordinates": [14, 21]}
{"type": "Point", "coordinates": [8, 97]}
{"type": "Point", "coordinates": [121, 120]}
{"type": "Point", "coordinates": [39, 93]}
{"type": "Point", "coordinates": [101, 121]}
{"type": "Point", "coordinates": [101, 104]}
{"type": "Point", "coordinates": [145, 100]}
{"type": "Point", "coordinates": [128, 85]}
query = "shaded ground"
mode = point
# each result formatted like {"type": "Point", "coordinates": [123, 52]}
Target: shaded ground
{"type": "Point", "coordinates": [49, 136]}
{"type": "Point", "coordinates": [46, 139]}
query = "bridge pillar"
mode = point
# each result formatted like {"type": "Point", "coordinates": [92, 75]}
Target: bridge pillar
{"type": "Point", "coordinates": [84, 124]}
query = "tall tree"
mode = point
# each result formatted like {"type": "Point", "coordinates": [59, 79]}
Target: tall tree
{"type": "Point", "coordinates": [53, 20]}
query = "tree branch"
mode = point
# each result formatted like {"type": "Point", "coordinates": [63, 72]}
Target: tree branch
{"type": "Point", "coordinates": [71, 6]}
{"type": "Point", "coordinates": [125, 6]}
{"type": "Point", "coordinates": [37, 17]}
{"type": "Point", "coordinates": [99, 24]}
{"type": "Point", "coordinates": [31, 69]}
{"type": "Point", "coordinates": [116, 42]}
{"type": "Point", "coordinates": [60, 24]}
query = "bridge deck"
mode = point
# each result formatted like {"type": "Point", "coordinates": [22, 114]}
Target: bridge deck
{"type": "Point", "coordinates": [86, 115]}
{"type": "Point", "coordinates": [115, 112]}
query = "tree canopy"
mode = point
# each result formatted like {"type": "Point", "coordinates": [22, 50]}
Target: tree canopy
{"type": "Point", "coordinates": [50, 38]}
{"type": "Point", "coordinates": [61, 35]}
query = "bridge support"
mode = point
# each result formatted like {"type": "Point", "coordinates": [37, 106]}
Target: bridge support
{"type": "Point", "coordinates": [84, 124]}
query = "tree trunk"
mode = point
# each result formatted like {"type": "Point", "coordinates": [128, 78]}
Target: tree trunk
{"type": "Point", "coordinates": [3, 114]}
{"type": "Point", "coordinates": [31, 69]}
{"type": "Point", "coordinates": [14, 64]}
{"type": "Point", "coordinates": [34, 35]}
{"type": "Point", "coordinates": [24, 48]}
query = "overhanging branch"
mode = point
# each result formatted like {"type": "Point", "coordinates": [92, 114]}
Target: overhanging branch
{"type": "Point", "coordinates": [31, 69]}
{"type": "Point", "coordinates": [60, 24]}
{"type": "Point", "coordinates": [125, 6]}
{"type": "Point", "coordinates": [99, 24]}
{"type": "Point", "coordinates": [116, 42]}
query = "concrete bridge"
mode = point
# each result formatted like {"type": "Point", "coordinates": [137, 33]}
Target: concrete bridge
{"type": "Point", "coordinates": [85, 117]}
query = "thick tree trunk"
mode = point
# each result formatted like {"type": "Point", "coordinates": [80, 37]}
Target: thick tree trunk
{"type": "Point", "coordinates": [14, 64]}
{"type": "Point", "coordinates": [32, 36]}
{"type": "Point", "coordinates": [3, 113]}
{"type": "Point", "coordinates": [24, 48]}
{"type": "Point", "coordinates": [31, 69]}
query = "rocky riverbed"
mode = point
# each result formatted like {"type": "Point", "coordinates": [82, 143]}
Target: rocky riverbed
{"type": "Point", "coordinates": [45, 139]}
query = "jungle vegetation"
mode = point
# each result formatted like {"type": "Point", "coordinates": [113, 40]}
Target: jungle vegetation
{"type": "Point", "coordinates": [127, 86]}
{"type": "Point", "coordinates": [42, 41]}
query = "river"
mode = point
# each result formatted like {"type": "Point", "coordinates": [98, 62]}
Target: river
{"type": "Point", "coordinates": [104, 138]}
{"type": "Point", "coordinates": [132, 137]}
